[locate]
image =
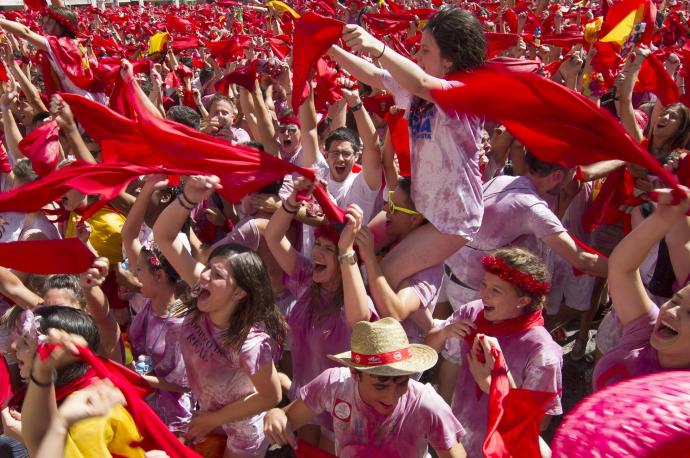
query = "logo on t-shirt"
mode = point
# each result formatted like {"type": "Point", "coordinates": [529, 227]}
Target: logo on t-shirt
{"type": "Point", "coordinates": [342, 410]}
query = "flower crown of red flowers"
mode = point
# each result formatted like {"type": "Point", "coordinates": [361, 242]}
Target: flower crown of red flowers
{"type": "Point", "coordinates": [62, 20]}
{"type": "Point", "coordinates": [520, 280]}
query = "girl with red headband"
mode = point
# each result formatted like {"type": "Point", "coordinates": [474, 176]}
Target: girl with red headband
{"type": "Point", "coordinates": [508, 317]}
{"type": "Point", "coordinates": [331, 297]}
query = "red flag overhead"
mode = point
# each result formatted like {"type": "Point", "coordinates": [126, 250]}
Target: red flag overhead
{"type": "Point", "coordinates": [154, 141]}
{"type": "Point", "coordinates": [314, 35]}
{"type": "Point", "coordinates": [654, 78]}
{"type": "Point", "coordinates": [557, 125]}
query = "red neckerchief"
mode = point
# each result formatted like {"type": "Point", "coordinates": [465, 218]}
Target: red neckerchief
{"type": "Point", "coordinates": [504, 328]}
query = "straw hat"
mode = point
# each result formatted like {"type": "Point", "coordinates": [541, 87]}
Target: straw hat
{"type": "Point", "coordinates": [382, 348]}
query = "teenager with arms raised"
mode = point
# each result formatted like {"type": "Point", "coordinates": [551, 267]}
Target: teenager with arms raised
{"type": "Point", "coordinates": [230, 337]}
{"type": "Point", "coordinates": [444, 147]}
{"type": "Point", "coordinates": [330, 294]}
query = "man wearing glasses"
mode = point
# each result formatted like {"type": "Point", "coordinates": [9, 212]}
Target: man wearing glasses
{"type": "Point", "coordinates": [414, 300]}
{"type": "Point", "coordinates": [343, 148]}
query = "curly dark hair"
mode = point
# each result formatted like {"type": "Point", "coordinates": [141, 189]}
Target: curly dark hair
{"type": "Point", "coordinates": [258, 306]}
{"type": "Point", "coordinates": [459, 36]}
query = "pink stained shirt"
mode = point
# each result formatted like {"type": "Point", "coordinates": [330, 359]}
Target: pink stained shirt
{"type": "Point", "coordinates": [421, 417]}
{"type": "Point", "coordinates": [313, 333]}
{"type": "Point", "coordinates": [159, 338]}
{"type": "Point", "coordinates": [426, 285]}
{"type": "Point", "coordinates": [219, 376]}
{"type": "Point", "coordinates": [633, 355]}
{"type": "Point", "coordinates": [533, 359]}
{"type": "Point", "coordinates": [512, 210]}
{"type": "Point", "coordinates": [444, 159]}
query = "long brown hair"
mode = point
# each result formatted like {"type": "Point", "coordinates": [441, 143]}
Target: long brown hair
{"type": "Point", "coordinates": [258, 305]}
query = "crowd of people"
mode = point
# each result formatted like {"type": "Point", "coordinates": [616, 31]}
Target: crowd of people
{"type": "Point", "coordinates": [281, 239]}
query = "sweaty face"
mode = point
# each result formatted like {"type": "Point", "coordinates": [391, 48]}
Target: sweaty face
{"type": "Point", "coordinates": [429, 57]}
{"type": "Point", "coordinates": [399, 224]}
{"type": "Point", "coordinates": [671, 334]}
{"type": "Point", "coordinates": [145, 276]}
{"type": "Point", "coordinates": [382, 393]}
{"type": "Point", "coordinates": [24, 348]}
{"type": "Point", "coordinates": [500, 299]}
{"type": "Point", "coordinates": [50, 26]}
{"type": "Point", "coordinates": [217, 290]}
{"type": "Point", "coordinates": [341, 157]}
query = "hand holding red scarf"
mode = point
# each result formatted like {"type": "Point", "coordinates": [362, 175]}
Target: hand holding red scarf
{"type": "Point", "coordinates": [514, 413]}
{"type": "Point", "coordinates": [155, 433]}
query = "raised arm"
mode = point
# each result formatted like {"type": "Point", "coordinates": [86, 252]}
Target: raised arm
{"type": "Point", "coordinates": [398, 304]}
{"type": "Point", "coordinates": [354, 292]}
{"type": "Point", "coordinates": [308, 131]}
{"type": "Point", "coordinates": [61, 112]}
{"type": "Point", "coordinates": [277, 227]}
{"type": "Point", "coordinates": [169, 223]}
{"type": "Point", "coordinates": [12, 288]}
{"type": "Point", "coordinates": [625, 82]}
{"type": "Point", "coordinates": [363, 70]}
{"type": "Point", "coordinates": [630, 300]}
{"type": "Point", "coordinates": [12, 134]}
{"type": "Point", "coordinates": [31, 93]}
{"type": "Point", "coordinates": [371, 150]}
{"type": "Point", "coordinates": [135, 217]}
{"type": "Point", "coordinates": [22, 31]}
{"type": "Point", "coordinates": [98, 307]}
{"type": "Point", "coordinates": [408, 74]}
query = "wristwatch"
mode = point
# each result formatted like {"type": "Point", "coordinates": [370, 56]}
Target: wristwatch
{"type": "Point", "coordinates": [349, 258]}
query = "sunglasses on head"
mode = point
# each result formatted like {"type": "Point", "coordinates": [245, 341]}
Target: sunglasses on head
{"type": "Point", "coordinates": [392, 208]}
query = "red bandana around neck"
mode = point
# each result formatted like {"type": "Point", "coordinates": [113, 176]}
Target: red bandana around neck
{"type": "Point", "coordinates": [504, 328]}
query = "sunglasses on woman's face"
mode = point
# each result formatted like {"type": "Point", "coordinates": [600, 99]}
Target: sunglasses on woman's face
{"type": "Point", "coordinates": [392, 208]}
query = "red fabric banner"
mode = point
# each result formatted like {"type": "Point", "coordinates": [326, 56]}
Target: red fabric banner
{"type": "Point", "coordinates": [313, 36]}
{"type": "Point", "coordinates": [557, 125]}
{"type": "Point", "coordinates": [67, 256]}
{"type": "Point", "coordinates": [42, 146]}
{"type": "Point", "coordinates": [514, 416]}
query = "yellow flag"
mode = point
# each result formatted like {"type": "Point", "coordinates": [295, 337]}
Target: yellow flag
{"type": "Point", "coordinates": [158, 41]}
{"type": "Point", "coordinates": [277, 5]}
{"type": "Point", "coordinates": [625, 27]}
{"type": "Point", "coordinates": [592, 28]}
